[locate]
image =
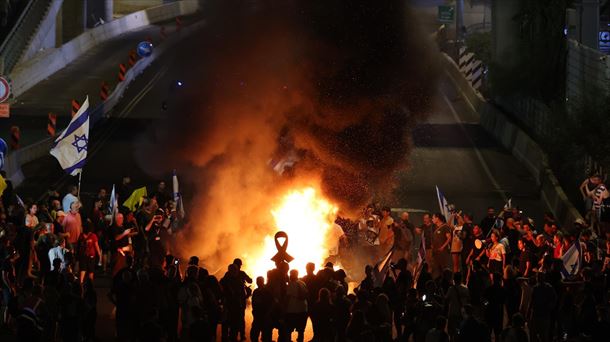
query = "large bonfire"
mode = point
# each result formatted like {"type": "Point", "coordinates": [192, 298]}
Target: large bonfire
{"type": "Point", "coordinates": [308, 219]}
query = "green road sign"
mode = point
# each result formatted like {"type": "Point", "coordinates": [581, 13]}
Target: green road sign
{"type": "Point", "coordinates": [445, 13]}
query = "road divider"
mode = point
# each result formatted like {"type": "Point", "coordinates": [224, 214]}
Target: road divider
{"type": "Point", "coordinates": [122, 71]}
{"type": "Point", "coordinates": [75, 107]}
{"type": "Point", "coordinates": [52, 124]}
{"type": "Point", "coordinates": [104, 91]}
{"type": "Point", "coordinates": [515, 140]}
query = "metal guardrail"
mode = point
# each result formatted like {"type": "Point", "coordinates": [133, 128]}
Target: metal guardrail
{"type": "Point", "coordinates": [19, 37]}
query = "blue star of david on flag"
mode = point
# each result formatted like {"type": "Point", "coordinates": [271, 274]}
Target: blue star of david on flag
{"type": "Point", "coordinates": [80, 142]}
{"type": "Point", "coordinates": [70, 148]}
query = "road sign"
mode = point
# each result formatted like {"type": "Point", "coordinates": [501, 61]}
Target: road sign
{"type": "Point", "coordinates": [5, 110]}
{"type": "Point", "coordinates": [145, 49]}
{"type": "Point", "coordinates": [5, 89]}
{"type": "Point", "coordinates": [446, 13]}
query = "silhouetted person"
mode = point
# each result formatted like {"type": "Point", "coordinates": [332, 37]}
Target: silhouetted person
{"type": "Point", "coordinates": [201, 329]}
{"type": "Point", "coordinates": [516, 331]}
{"type": "Point", "coordinates": [438, 334]}
{"type": "Point", "coordinates": [544, 299]}
{"type": "Point", "coordinates": [342, 312]}
{"type": "Point", "coordinates": [495, 295]}
{"type": "Point", "coordinates": [296, 306]}
{"type": "Point", "coordinates": [90, 298]}
{"type": "Point", "coordinates": [245, 280]}
{"type": "Point", "coordinates": [233, 299]}
{"type": "Point", "coordinates": [358, 329]}
{"type": "Point", "coordinates": [322, 314]}
{"type": "Point", "coordinates": [471, 329]}
{"type": "Point", "coordinates": [262, 306]}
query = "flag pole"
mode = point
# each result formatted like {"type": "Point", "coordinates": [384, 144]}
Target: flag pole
{"type": "Point", "coordinates": [80, 176]}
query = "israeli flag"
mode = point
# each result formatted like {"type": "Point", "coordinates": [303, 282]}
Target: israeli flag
{"type": "Point", "coordinates": [443, 204]}
{"type": "Point", "coordinates": [572, 260]}
{"type": "Point", "coordinates": [70, 148]}
{"type": "Point", "coordinates": [177, 195]}
{"type": "Point", "coordinates": [113, 205]}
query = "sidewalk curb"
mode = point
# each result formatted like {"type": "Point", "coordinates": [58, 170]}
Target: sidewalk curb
{"type": "Point", "coordinates": [522, 146]}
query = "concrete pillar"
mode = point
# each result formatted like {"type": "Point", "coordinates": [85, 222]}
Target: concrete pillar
{"type": "Point", "coordinates": [589, 23]}
{"type": "Point", "coordinates": [85, 15]}
{"type": "Point", "coordinates": [108, 10]}
{"type": "Point", "coordinates": [72, 19]}
{"type": "Point", "coordinates": [505, 32]}
{"type": "Point", "coordinates": [459, 20]}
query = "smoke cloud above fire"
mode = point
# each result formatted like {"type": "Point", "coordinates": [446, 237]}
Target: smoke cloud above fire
{"type": "Point", "coordinates": [339, 84]}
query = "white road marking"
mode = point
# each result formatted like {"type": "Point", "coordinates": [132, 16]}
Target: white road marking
{"type": "Point", "coordinates": [477, 152]}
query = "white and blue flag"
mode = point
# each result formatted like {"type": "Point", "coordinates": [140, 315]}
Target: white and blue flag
{"type": "Point", "coordinates": [572, 260]}
{"type": "Point", "coordinates": [113, 205]}
{"type": "Point", "coordinates": [70, 148]}
{"type": "Point", "coordinates": [177, 195]}
{"type": "Point", "coordinates": [443, 204]}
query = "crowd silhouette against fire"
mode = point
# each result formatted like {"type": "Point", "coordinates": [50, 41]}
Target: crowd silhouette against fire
{"type": "Point", "coordinates": [503, 277]}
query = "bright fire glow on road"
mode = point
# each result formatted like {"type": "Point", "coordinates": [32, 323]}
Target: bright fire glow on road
{"type": "Point", "coordinates": [308, 220]}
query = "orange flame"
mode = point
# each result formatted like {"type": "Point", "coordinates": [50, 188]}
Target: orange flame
{"type": "Point", "coordinates": [308, 219]}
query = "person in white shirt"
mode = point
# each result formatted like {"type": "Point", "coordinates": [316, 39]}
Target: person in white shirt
{"type": "Point", "coordinates": [69, 198]}
{"type": "Point", "coordinates": [58, 252]}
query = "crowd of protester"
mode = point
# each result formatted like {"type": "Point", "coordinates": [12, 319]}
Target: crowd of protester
{"type": "Point", "coordinates": [504, 278]}
{"type": "Point", "coordinates": [51, 250]}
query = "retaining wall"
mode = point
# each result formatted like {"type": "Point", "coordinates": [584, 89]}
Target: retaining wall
{"type": "Point", "coordinates": [522, 147]}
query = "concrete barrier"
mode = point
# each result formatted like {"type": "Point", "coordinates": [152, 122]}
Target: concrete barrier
{"type": "Point", "coordinates": [522, 146]}
{"type": "Point", "coordinates": [24, 76]}
{"type": "Point", "coordinates": [16, 159]}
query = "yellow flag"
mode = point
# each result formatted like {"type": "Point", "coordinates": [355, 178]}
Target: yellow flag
{"type": "Point", "coordinates": [2, 185]}
{"type": "Point", "coordinates": [135, 200]}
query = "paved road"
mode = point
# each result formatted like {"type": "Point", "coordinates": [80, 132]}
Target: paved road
{"type": "Point", "coordinates": [80, 78]}
{"type": "Point", "coordinates": [455, 153]}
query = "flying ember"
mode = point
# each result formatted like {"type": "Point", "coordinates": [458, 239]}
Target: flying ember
{"type": "Point", "coordinates": [308, 219]}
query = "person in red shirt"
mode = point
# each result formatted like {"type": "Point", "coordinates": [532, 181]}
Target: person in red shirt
{"type": "Point", "coordinates": [88, 252]}
{"type": "Point", "coordinates": [73, 224]}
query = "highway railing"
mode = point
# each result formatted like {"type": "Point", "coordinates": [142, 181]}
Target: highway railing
{"type": "Point", "coordinates": [19, 37]}
{"type": "Point", "coordinates": [17, 158]}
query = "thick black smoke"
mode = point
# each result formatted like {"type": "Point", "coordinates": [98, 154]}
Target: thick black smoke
{"type": "Point", "coordinates": [341, 82]}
